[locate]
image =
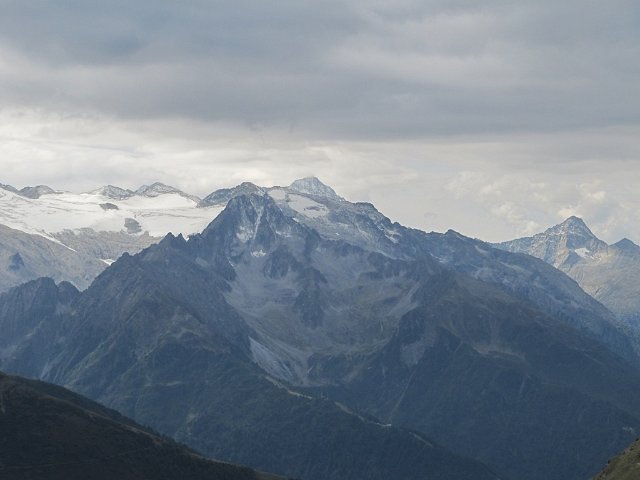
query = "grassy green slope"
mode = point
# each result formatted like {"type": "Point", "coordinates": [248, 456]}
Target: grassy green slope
{"type": "Point", "coordinates": [625, 466]}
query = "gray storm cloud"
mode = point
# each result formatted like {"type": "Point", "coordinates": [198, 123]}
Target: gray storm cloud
{"type": "Point", "coordinates": [331, 69]}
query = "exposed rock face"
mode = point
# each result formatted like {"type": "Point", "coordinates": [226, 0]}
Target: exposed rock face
{"type": "Point", "coordinates": [156, 189]}
{"type": "Point", "coordinates": [36, 192]}
{"type": "Point", "coordinates": [115, 193]}
{"type": "Point", "coordinates": [313, 186]}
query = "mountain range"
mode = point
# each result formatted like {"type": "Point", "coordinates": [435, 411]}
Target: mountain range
{"type": "Point", "coordinates": [298, 326]}
{"type": "Point", "coordinates": [73, 237]}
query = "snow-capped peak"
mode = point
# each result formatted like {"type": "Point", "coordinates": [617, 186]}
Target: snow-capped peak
{"type": "Point", "coordinates": [313, 186]}
{"type": "Point", "coordinates": [223, 195]}
{"type": "Point", "coordinates": [30, 192]}
{"type": "Point", "coordinates": [573, 224]}
{"type": "Point", "coordinates": [113, 192]}
{"type": "Point", "coordinates": [561, 244]}
{"type": "Point", "coordinates": [37, 191]}
{"type": "Point", "coordinates": [157, 188]}
{"type": "Point", "coordinates": [575, 234]}
{"type": "Point", "coordinates": [9, 188]}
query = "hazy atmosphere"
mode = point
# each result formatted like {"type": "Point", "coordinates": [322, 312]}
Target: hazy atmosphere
{"type": "Point", "coordinates": [497, 119]}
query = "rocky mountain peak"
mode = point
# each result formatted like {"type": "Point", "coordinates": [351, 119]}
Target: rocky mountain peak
{"type": "Point", "coordinates": [223, 195]}
{"type": "Point", "coordinates": [627, 246]}
{"type": "Point", "coordinates": [250, 223]}
{"type": "Point", "coordinates": [9, 188]}
{"type": "Point", "coordinates": [563, 244]}
{"type": "Point", "coordinates": [574, 226]}
{"type": "Point", "coordinates": [313, 186]}
{"type": "Point", "coordinates": [574, 234]}
{"type": "Point", "coordinates": [113, 192]}
{"type": "Point", "coordinates": [37, 191]}
{"type": "Point", "coordinates": [157, 188]}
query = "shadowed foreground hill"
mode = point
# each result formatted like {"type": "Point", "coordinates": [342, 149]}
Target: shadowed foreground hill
{"type": "Point", "coordinates": [49, 433]}
{"type": "Point", "coordinates": [625, 466]}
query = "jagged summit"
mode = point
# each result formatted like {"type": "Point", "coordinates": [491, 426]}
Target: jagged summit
{"type": "Point", "coordinates": [310, 186]}
{"type": "Point", "coordinates": [572, 226]}
{"type": "Point", "coordinates": [113, 192]}
{"type": "Point", "coordinates": [626, 245]}
{"type": "Point", "coordinates": [9, 188]}
{"type": "Point", "coordinates": [574, 222]}
{"type": "Point", "coordinates": [30, 192]}
{"type": "Point", "coordinates": [151, 191]}
{"type": "Point", "coordinates": [157, 188]}
{"type": "Point", "coordinates": [566, 242]}
{"type": "Point", "coordinates": [37, 191]}
{"type": "Point", "coordinates": [223, 195]}
{"type": "Point", "coordinates": [313, 186]}
{"type": "Point", "coordinates": [252, 222]}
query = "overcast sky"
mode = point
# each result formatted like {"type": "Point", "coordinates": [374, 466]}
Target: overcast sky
{"type": "Point", "coordinates": [494, 118]}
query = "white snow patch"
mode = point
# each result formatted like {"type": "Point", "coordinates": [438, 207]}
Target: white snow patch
{"type": "Point", "coordinates": [583, 252]}
{"type": "Point", "coordinates": [392, 235]}
{"type": "Point", "coordinates": [69, 211]}
{"type": "Point", "coordinates": [307, 207]}
{"type": "Point", "coordinates": [244, 234]}
{"type": "Point", "coordinates": [277, 194]}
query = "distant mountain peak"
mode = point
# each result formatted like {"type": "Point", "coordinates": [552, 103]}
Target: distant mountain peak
{"type": "Point", "coordinates": [37, 191]}
{"type": "Point", "coordinates": [574, 222]}
{"type": "Point", "coordinates": [224, 195]}
{"type": "Point", "coordinates": [563, 244]}
{"type": "Point", "coordinates": [574, 230]}
{"type": "Point", "coordinates": [313, 186]}
{"type": "Point", "coordinates": [249, 218]}
{"type": "Point", "coordinates": [627, 245]}
{"type": "Point", "coordinates": [155, 189]}
{"type": "Point", "coordinates": [9, 188]}
{"type": "Point", "coordinates": [113, 192]}
{"type": "Point", "coordinates": [158, 188]}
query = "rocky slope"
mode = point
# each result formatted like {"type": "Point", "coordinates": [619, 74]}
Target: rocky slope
{"type": "Point", "coordinates": [179, 359]}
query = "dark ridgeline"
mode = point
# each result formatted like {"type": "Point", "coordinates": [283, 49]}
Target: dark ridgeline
{"type": "Point", "coordinates": [49, 433]}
